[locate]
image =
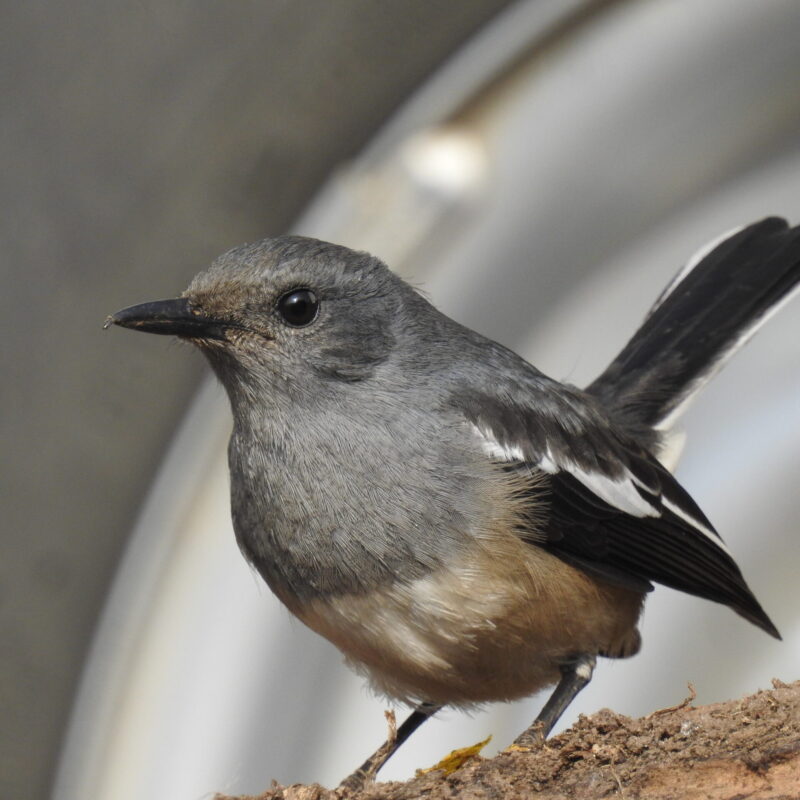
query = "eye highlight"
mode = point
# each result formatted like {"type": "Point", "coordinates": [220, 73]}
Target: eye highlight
{"type": "Point", "coordinates": [298, 308]}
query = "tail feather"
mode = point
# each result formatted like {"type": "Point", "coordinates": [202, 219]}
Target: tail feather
{"type": "Point", "coordinates": [711, 308]}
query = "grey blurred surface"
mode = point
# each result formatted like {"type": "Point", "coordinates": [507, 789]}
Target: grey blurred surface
{"type": "Point", "coordinates": [138, 141]}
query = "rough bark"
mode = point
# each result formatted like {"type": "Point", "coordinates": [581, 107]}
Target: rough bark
{"type": "Point", "coordinates": [741, 749]}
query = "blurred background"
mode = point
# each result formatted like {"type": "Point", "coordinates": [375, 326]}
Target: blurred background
{"type": "Point", "coordinates": [541, 168]}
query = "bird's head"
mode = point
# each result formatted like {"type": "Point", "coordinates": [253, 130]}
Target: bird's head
{"type": "Point", "coordinates": [285, 312]}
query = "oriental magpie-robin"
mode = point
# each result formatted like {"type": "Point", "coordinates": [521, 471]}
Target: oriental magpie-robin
{"type": "Point", "coordinates": [463, 527]}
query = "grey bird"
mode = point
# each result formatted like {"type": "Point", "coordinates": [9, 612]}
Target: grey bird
{"type": "Point", "coordinates": [461, 526]}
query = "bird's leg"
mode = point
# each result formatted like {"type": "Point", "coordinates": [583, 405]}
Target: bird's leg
{"type": "Point", "coordinates": [575, 674]}
{"type": "Point", "coordinates": [370, 767]}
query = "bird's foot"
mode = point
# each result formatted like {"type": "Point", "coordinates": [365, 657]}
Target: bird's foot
{"type": "Point", "coordinates": [531, 738]}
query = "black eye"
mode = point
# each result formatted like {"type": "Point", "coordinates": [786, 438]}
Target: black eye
{"type": "Point", "coordinates": [298, 307]}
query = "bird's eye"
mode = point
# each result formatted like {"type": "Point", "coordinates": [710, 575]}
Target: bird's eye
{"type": "Point", "coordinates": [298, 307]}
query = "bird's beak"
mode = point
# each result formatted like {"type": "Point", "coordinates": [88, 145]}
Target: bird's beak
{"type": "Point", "coordinates": [172, 317]}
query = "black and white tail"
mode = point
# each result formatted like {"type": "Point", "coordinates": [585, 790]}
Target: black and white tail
{"type": "Point", "coordinates": [725, 293]}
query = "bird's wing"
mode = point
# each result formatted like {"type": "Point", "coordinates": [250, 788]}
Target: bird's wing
{"type": "Point", "coordinates": [614, 510]}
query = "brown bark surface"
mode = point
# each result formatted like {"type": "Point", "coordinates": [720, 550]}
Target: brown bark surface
{"type": "Point", "coordinates": [741, 749]}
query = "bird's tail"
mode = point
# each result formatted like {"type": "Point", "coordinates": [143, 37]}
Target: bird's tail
{"type": "Point", "coordinates": [723, 295]}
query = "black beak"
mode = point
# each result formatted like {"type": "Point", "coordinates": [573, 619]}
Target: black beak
{"type": "Point", "coordinates": [172, 317]}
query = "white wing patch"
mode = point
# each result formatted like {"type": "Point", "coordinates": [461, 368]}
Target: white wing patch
{"type": "Point", "coordinates": [619, 492]}
{"type": "Point", "coordinates": [496, 450]}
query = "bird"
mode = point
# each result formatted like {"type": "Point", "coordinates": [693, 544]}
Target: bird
{"type": "Point", "coordinates": [461, 526]}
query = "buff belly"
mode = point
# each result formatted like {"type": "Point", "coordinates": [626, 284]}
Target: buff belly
{"type": "Point", "coordinates": [494, 626]}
